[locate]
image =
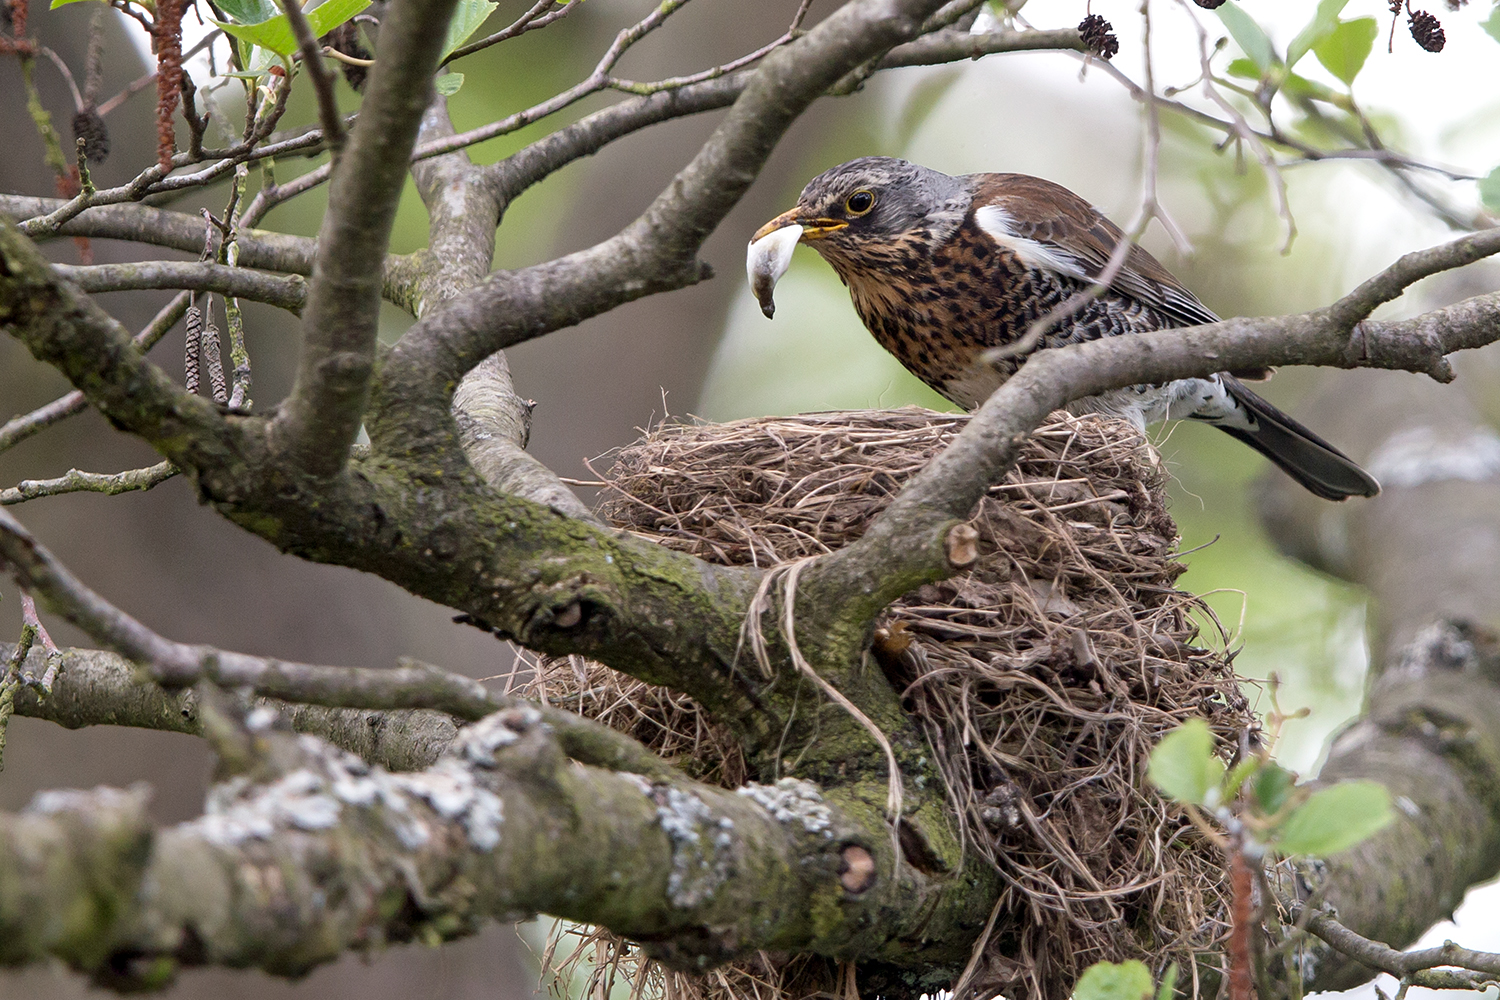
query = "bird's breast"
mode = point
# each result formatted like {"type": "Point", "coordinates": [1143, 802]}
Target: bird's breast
{"type": "Point", "coordinates": [938, 308]}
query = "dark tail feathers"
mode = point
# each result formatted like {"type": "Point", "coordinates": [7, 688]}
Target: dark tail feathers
{"type": "Point", "coordinates": [1301, 454]}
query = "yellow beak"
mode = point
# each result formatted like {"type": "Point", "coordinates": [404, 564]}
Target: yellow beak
{"type": "Point", "coordinates": [812, 228]}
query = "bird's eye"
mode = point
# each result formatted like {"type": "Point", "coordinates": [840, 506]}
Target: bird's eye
{"type": "Point", "coordinates": [859, 202]}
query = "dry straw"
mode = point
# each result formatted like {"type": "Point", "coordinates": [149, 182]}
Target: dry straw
{"type": "Point", "coordinates": [1043, 677]}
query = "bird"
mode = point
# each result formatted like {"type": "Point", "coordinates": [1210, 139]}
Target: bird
{"type": "Point", "coordinates": [945, 269]}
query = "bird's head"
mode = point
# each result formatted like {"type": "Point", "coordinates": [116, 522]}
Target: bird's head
{"type": "Point", "coordinates": [872, 201]}
{"type": "Point", "coordinates": [856, 216]}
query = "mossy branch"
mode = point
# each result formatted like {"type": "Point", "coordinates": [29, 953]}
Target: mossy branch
{"type": "Point", "coordinates": [501, 826]}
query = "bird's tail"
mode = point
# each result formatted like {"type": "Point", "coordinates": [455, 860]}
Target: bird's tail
{"type": "Point", "coordinates": [1301, 454]}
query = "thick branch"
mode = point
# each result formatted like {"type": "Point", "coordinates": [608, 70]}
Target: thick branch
{"type": "Point", "coordinates": [557, 584]}
{"type": "Point", "coordinates": [1426, 551]}
{"type": "Point", "coordinates": [319, 421]}
{"type": "Point", "coordinates": [99, 688]}
{"type": "Point", "coordinates": [502, 826]}
{"type": "Point", "coordinates": [492, 421]}
{"type": "Point", "coordinates": [20, 428]}
{"type": "Point", "coordinates": [494, 424]}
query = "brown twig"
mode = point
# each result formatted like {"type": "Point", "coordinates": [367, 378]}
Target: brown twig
{"type": "Point", "coordinates": [1477, 969]}
{"type": "Point", "coordinates": [322, 79]}
{"type": "Point", "coordinates": [539, 16]}
{"type": "Point", "coordinates": [1242, 924]}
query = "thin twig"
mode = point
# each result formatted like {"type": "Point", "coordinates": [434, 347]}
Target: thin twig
{"type": "Point", "coordinates": [1242, 129]}
{"type": "Point", "coordinates": [539, 16]}
{"type": "Point", "coordinates": [322, 78]}
{"type": "Point", "coordinates": [1150, 208]}
{"type": "Point", "coordinates": [75, 481]}
{"type": "Point", "coordinates": [20, 428]}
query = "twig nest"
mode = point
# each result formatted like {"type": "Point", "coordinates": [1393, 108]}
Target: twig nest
{"type": "Point", "coordinates": [1043, 675]}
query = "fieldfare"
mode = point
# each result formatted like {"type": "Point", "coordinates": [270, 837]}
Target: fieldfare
{"type": "Point", "coordinates": [943, 269]}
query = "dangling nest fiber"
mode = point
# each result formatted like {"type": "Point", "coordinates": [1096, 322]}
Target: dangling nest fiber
{"type": "Point", "coordinates": [1043, 677]}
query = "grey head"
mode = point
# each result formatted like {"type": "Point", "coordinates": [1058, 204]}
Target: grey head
{"type": "Point", "coordinates": [873, 200]}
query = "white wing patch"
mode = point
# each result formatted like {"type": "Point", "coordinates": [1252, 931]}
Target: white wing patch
{"type": "Point", "coordinates": [1001, 228]}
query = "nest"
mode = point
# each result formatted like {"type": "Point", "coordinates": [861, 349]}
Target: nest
{"type": "Point", "coordinates": [1043, 677]}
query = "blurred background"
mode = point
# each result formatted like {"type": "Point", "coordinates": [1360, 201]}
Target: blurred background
{"type": "Point", "coordinates": [707, 351]}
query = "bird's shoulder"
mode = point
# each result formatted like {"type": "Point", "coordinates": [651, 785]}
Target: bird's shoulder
{"type": "Point", "coordinates": [1049, 226]}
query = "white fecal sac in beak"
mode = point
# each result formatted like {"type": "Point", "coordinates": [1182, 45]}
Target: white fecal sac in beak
{"type": "Point", "coordinates": [767, 260]}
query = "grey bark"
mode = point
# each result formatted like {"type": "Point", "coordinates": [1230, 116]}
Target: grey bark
{"type": "Point", "coordinates": [1426, 549]}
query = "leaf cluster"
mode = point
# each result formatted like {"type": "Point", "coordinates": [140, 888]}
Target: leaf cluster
{"type": "Point", "coordinates": [1264, 798]}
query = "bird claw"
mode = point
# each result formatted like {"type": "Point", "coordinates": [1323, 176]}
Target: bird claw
{"type": "Point", "coordinates": [767, 260]}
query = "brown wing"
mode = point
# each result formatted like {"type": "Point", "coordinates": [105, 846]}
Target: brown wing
{"type": "Point", "coordinates": [1074, 231]}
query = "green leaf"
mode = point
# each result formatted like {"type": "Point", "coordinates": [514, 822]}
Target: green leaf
{"type": "Point", "coordinates": [1489, 187]}
{"type": "Point", "coordinates": [1343, 52]}
{"type": "Point", "coordinates": [1271, 788]}
{"type": "Point", "coordinates": [1320, 27]}
{"type": "Point", "coordinates": [1300, 86]}
{"type": "Point", "coordinates": [1491, 24]}
{"type": "Point", "coordinates": [276, 34]}
{"type": "Point", "coordinates": [1240, 773]}
{"type": "Point", "coordinates": [447, 84]}
{"type": "Point", "coordinates": [249, 11]}
{"type": "Point", "coordinates": [60, 3]}
{"type": "Point", "coordinates": [331, 13]}
{"type": "Point", "coordinates": [1168, 983]}
{"type": "Point", "coordinates": [1248, 35]}
{"type": "Point", "coordinates": [1108, 981]}
{"type": "Point", "coordinates": [1183, 764]}
{"type": "Point", "coordinates": [1243, 68]}
{"type": "Point", "coordinates": [466, 20]}
{"type": "Point", "coordinates": [1335, 818]}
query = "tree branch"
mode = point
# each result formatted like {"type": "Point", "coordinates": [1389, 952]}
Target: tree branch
{"type": "Point", "coordinates": [493, 425]}
{"type": "Point", "coordinates": [1481, 968]}
{"type": "Point", "coordinates": [74, 481]}
{"type": "Point", "coordinates": [99, 688]}
{"type": "Point", "coordinates": [259, 248]}
{"type": "Point", "coordinates": [952, 46]}
{"type": "Point", "coordinates": [322, 79]}
{"type": "Point", "coordinates": [501, 826]}
{"type": "Point", "coordinates": [319, 420]}
{"type": "Point", "coordinates": [284, 292]}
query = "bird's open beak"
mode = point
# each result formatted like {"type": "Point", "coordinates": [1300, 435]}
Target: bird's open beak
{"type": "Point", "coordinates": [812, 228]}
